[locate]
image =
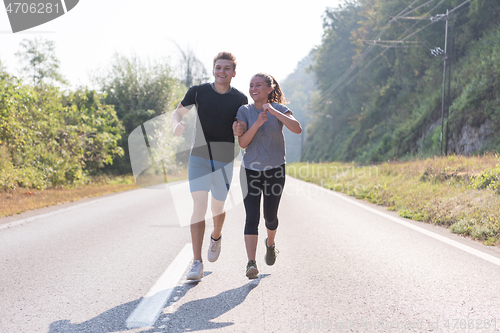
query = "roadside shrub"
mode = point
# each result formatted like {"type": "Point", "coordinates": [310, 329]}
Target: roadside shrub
{"type": "Point", "coordinates": [49, 138]}
{"type": "Point", "coordinates": [489, 179]}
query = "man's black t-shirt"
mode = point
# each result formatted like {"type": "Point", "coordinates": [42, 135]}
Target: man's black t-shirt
{"type": "Point", "coordinates": [216, 114]}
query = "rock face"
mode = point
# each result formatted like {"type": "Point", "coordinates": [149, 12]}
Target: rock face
{"type": "Point", "coordinates": [471, 139]}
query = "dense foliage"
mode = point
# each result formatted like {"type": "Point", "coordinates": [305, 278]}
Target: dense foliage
{"type": "Point", "coordinates": [51, 138]}
{"type": "Point", "coordinates": [299, 89]}
{"type": "Point", "coordinates": [51, 135]}
{"type": "Point", "coordinates": [139, 91]}
{"type": "Point", "coordinates": [380, 99]}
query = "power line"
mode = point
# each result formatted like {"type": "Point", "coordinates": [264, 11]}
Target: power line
{"type": "Point", "coordinates": [413, 18]}
{"type": "Point", "coordinates": [363, 55]}
{"type": "Point", "coordinates": [425, 4]}
{"type": "Point", "coordinates": [377, 42]}
{"type": "Point", "coordinates": [457, 7]}
{"type": "Point", "coordinates": [401, 15]}
{"type": "Point", "coordinates": [326, 93]}
{"type": "Point", "coordinates": [423, 41]}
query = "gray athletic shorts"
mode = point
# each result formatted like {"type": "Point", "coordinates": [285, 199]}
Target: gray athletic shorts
{"type": "Point", "coordinates": [209, 175]}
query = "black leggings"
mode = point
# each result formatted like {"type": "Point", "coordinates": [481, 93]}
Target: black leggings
{"type": "Point", "coordinates": [269, 184]}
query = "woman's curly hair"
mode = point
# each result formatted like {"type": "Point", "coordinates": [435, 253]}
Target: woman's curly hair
{"type": "Point", "coordinates": [277, 95]}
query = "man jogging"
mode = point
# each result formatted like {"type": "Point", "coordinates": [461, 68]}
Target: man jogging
{"type": "Point", "coordinates": [212, 152]}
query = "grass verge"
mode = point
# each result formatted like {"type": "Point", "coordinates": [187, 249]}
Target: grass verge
{"type": "Point", "coordinates": [457, 192]}
{"type": "Point", "coordinates": [24, 199]}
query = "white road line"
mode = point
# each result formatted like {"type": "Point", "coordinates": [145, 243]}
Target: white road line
{"type": "Point", "coordinates": [468, 249]}
{"type": "Point", "coordinates": [150, 306]}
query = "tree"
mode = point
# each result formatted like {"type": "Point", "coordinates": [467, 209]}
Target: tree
{"type": "Point", "coordinates": [192, 69]}
{"type": "Point", "coordinates": [40, 60]}
{"type": "Point", "coordinates": [139, 91]}
{"type": "Point", "coordinates": [299, 89]}
{"type": "Point", "coordinates": [380, 98]}
{"type": "Point", "coordinates": [332, 109]}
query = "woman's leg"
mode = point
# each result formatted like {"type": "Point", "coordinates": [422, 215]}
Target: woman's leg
{"type": "Point", "coordinates": [273, 189]}
{"type": "Point", "coordinates": [252, 209]}
{"type": "Point", "coordinates": [272, 196]}
{"type": "Point", "coordinates": [271, 234]}
{"type": "Point", "coordinates": [251, 246]}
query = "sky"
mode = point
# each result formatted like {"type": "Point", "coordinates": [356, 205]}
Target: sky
{"type": "Point", "coordinates": [265, 36]}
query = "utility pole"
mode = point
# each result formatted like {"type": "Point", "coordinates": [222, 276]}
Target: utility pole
{"type": "Point", "coordinates": [447, 59]}
{"type": "Point", "coordinates": [443, 95]}
{"type": "Point", "coordinates": [446, 97]}
{"type": "Point", "coordinates": [448, 102]}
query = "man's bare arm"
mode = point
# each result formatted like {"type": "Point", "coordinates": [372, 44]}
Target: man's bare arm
{"type": "Point", "coordinates": [178, 125]}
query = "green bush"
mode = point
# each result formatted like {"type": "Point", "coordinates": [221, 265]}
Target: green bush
{"type": "Point", "coordinates": [49, 138]}
{"type": "Point", "coordinates": [489, 179]}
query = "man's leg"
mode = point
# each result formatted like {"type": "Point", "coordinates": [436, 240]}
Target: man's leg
{"type": "Point", "coordinates": [219, 215]}
{"type": "Point", "coordinates": [221, 179]}
{"type": "Point", "coordinates": [200, 201]}
{"type": "Point", "coordinates": [199, 185]}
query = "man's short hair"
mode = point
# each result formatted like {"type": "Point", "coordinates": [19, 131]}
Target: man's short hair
{"type": "Point", "coordinates": [225, 56]}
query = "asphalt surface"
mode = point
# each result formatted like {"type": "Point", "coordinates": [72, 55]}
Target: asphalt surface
{"type": "Point", "coordinates": [85, 267]}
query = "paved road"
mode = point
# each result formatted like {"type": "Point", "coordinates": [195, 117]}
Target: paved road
{"type": "Point", "coordinates": [344, 266]}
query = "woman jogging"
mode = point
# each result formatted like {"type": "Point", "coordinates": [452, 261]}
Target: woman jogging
{"type": "Point", "coordinates": [263, 169]}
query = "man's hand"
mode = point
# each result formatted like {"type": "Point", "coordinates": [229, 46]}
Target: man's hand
{"type": "Point", "coordinates": [238, 128]}
{"type": "Point", "coordinates": [179, 128]}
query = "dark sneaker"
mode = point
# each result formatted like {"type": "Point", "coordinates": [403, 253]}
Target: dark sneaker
{"type": "Point", "coordinates": [214, 249]}
{"type": "Point", "coordinates": [252, 271]}
{"type": "Point", "coordinates": [196, 271]}
{"type": "Point", "coordinates": [271, 253]}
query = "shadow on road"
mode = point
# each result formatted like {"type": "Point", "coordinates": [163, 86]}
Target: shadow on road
{"type": "Point", "coordinates": [192, 316]}
{"type": "Point", "coordinates": [197, 315]}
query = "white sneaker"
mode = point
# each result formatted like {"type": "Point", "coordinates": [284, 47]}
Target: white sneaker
{"type": "Point", "coordinates": [214, 249]}
{"type": "Point", "coordinates": [196, 271]}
